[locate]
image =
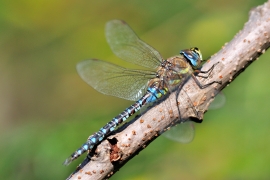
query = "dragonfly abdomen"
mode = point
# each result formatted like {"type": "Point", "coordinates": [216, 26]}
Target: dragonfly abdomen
{"type": "Point", "coordinates": [97, 137]}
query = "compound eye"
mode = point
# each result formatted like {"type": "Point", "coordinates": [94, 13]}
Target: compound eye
{"type": "Point", "coordinates": [197, 51]}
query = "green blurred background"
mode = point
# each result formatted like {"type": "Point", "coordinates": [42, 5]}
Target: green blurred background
{"type": "Point", "coordinates": [47, 111]}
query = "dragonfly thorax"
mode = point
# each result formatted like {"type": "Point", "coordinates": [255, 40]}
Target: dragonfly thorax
{"type": "Point", "coordinates": [171, 73]}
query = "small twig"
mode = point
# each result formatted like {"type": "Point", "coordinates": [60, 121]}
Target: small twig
{"type": "Point", "coordinates": [129, 140]}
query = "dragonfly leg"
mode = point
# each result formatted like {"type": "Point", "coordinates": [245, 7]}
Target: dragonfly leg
{"type": "Point", "coordinates": [209, 70]}
{"type": "Point", "coordinates": [192, 106]}
{"type": "Point", "coordinates": [198, 83]}
{"type": "Point", "coordinates": [176, 99]}
{"type": "Point", "coordinates": [202, 86]}
{"type": "Point", "coordinates": [196, 74]}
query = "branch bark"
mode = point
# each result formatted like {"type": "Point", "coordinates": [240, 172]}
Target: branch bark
{"type": "Point", "coordinates": [234, 57]}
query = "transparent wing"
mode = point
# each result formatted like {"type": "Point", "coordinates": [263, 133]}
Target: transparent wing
{"type": "Point", "coordinates": [114, 80]}
{"type": "Point", "coordinates": [183, 133]}
{"type": "Point", "coordinates": [127, 46]}
{"type": "Point", "coordinates": [218, 102]}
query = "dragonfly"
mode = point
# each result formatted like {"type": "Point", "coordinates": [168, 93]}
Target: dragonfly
{"type": "Point", "coordinates": [142, 86]}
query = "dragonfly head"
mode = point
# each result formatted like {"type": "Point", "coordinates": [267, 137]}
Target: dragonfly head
{"type": "Point", "coordinates": [193, 56]}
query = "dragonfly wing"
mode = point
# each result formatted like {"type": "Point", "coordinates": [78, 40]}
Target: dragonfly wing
{"type": "Point", "coordinates": [218, 102]}
{"type": "Point", "coordinates": [183, 133]}
{"type": "Point", "coordinates": [114, 80]}
{"type": "Point", "coordinates": [127, 46]}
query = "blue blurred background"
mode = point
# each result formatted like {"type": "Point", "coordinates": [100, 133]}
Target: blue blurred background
{"type": "Point", "coordinates": [47, 111]}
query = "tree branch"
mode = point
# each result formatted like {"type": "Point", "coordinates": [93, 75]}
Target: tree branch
{"type": "Point", "coordinates": [247, 45]}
